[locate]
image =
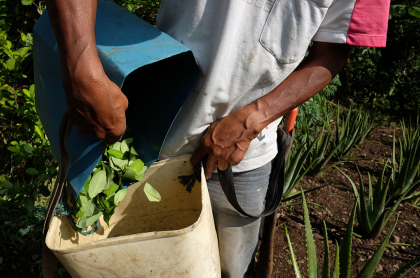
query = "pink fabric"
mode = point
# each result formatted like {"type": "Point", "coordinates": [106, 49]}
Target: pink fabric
{"type": "Point", "coordinates": [369, 23]}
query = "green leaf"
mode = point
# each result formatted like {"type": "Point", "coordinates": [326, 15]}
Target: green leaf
{"type": "Point", "coordinates": [129, 175]}
{"type": "Point", "coordinates": [402, 271]}
{"type": "Point", "coordinates": [13, 149]}
{"type": "Point", "coordinates": [86, 204]}
{"type": "Point", "coordinates": [108, 214]}
{"type": "Point", "coordinates": [292, 254]}
{"type": "Point", "coordinates": [370, 267]}
{"type": "Point", "coordinates": [7, 184]}
{"type": "Point", "coordinates": [29, 203]}
{"type": "Point", "coordinates": [97, 184]}
{"type": "Point", "coordinates": [93, 218]}
{"type": "Point", "coordinates": [326, 266]}
{"type": "Point", "coordinates": [31, 171]}
{"type": "Point", "coordinates": [119, 196]}
{"type": "Point", "coordinates": [133, 151]}
{"type": "Point", "coordinates": [414, 11]}
{"type": "Point", "coordinates": [10, 64]}
{"type": "Point", "coordinates": [116, 153]}
{"type": "Point", "coordinates": [137, 166]}
{"type": "Point", "coordinates": [111, 190]}
{"type": "Point", "coordinates": [125, 145]}
{"type": "Point", "coordinates": [345, 252]}
{"type": "Point", "coordinates": [310, 243]}
{"type": "Point", "coordinates": [39, 132]}
{"type": "Point", "coordinates": [116, 146]}
{"type": "Point", "coordinates": [26, 92]}
{"type": "Point", "coordinates": [80, 213]}
{"type": "Point", "coordinates": [81, 223]}
{"type": "Point", "coordinates": [24, 50]}
{"type": "Point", "coordinates": [28, 148]}
{"type": "Point", "coordinates": [119, 162]}
{"type": "Point", "coordinates": [336, 271]}
{"type": "Point", "coordinates": [27, 2]}
{"type": "Point", "coordinates": [151, 193]}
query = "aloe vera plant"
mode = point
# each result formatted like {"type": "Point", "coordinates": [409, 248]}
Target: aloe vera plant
{"type": "Point", "coordinates": [295, 171]}
{"type": "Point", "coordinates": [322, 150]}
{"type": "Point", "coordinates": [405, 172]}
{"type": "Point", "coordinates": [371, 216]}
{"type": "Point", "coordinates": [354, 129]}
{"type": "Point", "coordinates": [342, 261]}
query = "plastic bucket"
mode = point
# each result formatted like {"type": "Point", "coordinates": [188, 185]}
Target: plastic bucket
{"type": "Point", "coordinates": [175, 237]}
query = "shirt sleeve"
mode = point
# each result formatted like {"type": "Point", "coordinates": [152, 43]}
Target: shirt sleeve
{"type": "Point", "coordinates": [355, 22]}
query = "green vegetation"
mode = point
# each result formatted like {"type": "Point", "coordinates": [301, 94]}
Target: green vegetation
{"type": "Point", "coordinates": [342, 260]}
{"type": "Point", "coordinates": [104, 190]}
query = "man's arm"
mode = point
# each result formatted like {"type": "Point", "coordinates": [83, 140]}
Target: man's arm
{"type": "Point", "coordinates": [227, 140]}
{"type": "Point", "coordinates": [96, 104]}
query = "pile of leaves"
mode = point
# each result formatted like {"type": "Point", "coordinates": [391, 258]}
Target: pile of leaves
{"type": "Point", "coordinates": [118, 167]}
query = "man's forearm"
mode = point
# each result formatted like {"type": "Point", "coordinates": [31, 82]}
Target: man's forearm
{"type": "Point", "coordinates": [74, 26]}
{"type": "Point", "coordinates": [323, 63]}
{"type": "Point", "coordinates": [96, 105]}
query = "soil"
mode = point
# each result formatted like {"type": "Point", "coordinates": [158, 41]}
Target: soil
{"type": "Point", "coordinates": [338, 197]}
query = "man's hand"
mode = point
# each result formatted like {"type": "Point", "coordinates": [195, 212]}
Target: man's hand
{"type": "Point", "coordinates": [226, 141]}
{"type": "Point", "coordinates": [96, 106]}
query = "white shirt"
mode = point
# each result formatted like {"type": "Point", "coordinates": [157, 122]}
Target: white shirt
{"type": "Point", "coordinates": [244, 49]}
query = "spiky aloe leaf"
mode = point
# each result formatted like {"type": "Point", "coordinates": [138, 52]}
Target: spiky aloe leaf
{"type": "Point", "coordinates": [379, 205]}
{"type": "Point", "coordinates": [336, 272]}
{"type": "Point", "coordinates": [356, 193]}
{"type": "Point", "coordinates": [364, 217]}
{"type": "Point", "coordinates": [378, 226]}
{"type": "Point", "coordinates": [379, 186]}
{"type": "Point", "coordinates": [310, 243]}
{"type": "Point", "coordinates": [370, 267]}
{"type": "Point", "coordinates": [310, 203]}
{"type": "Point", "coordinates": [293, 181]}
{"type": "Point", "coordinates": [292, 254]}
{"type": "Point", "coordinates": [402, 271]}
{"type": "Point", "coordinates": [345, 251]}
{"type": "Point", "coordinates": [294, 195]}
{"type": "Point", "coordinates": [326, 266]}
{"type": "Point", "coordinates": [370, 198]}
{"type": "Point", "coordinates": [291, 169]}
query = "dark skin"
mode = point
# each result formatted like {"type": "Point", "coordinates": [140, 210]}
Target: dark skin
{"type": "Point", "coordinates": [97, 106]}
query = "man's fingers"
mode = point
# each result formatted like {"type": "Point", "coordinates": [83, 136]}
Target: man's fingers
{"type": "Point", "coordinates": [210, 164]}
{"type": "Point", "coordinates": [111, 139]}
{"type": "Point", "coordinates": [198, 154]}
{"type": "Point", "coordinates": [222, 164]}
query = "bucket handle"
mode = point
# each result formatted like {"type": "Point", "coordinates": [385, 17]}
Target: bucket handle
{"type": "Point", "coordinates": [49, 261]}
{"type": "Point", "coordinates": [276, 181]}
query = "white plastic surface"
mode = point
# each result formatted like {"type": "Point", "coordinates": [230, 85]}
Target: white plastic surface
{"type": "Point", "coordinates": [171, 238]}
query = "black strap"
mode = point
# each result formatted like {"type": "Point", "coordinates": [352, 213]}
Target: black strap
{"type": "Point", "coordinates": [276, 181]}
{"type": "Point", "coordinates": [49, 261]}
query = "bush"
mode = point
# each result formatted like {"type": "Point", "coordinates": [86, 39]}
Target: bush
{"type": "Point", "coordinates": [387, 78]}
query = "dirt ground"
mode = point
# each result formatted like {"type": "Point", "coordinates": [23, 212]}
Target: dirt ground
{"type": "Point", "coordinates": [338, 197]}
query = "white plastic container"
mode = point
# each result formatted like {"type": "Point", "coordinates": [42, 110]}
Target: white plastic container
{"type": "Point", "coordinates": [172, 238]}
